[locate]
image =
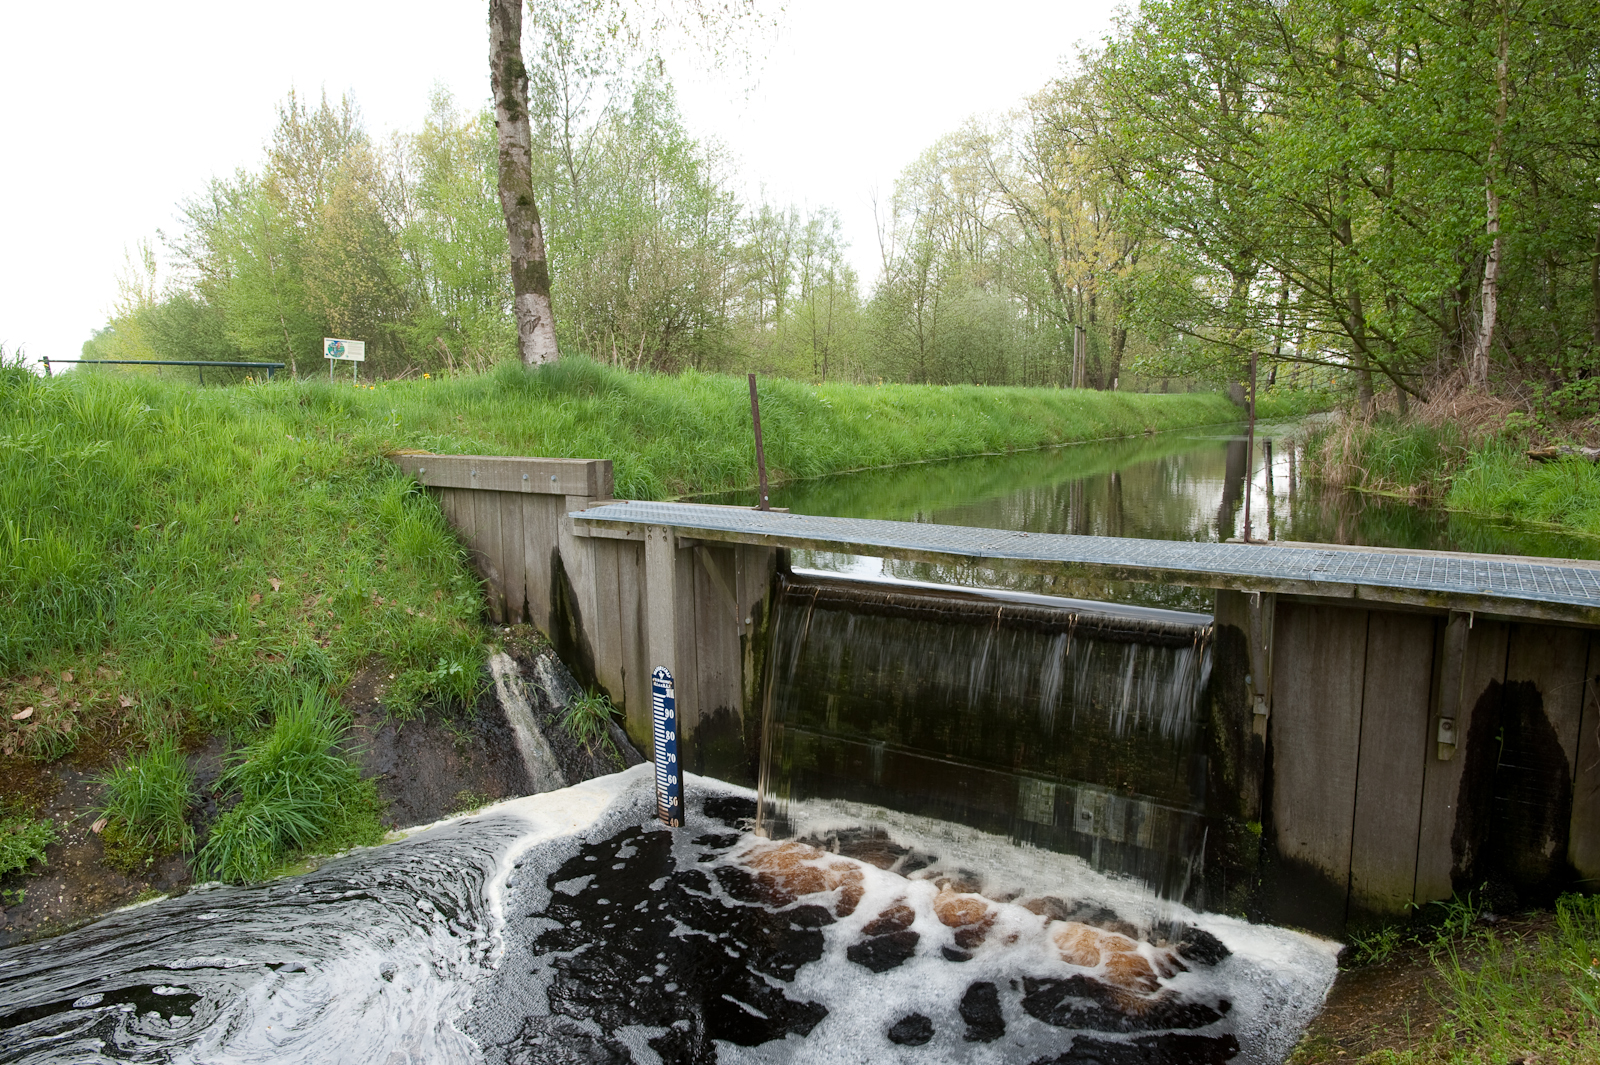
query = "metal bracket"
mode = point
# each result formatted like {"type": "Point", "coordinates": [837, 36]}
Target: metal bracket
{"type": "Point", "coordinates": [1452, 678]}
{"type": "Point", "coordinates": [1263, 607]}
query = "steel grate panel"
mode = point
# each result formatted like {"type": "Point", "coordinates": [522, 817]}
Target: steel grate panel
{"type": "Point", "coordinates": [1575, 584]}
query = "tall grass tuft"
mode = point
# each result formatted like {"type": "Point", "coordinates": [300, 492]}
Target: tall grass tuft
{"type": "Point", "coordinates": [1412, 459]}
{"type": "Point", "coordinates": [1499, 479]}
{"type": "Point", "coordinates": [147, 800]}
{"type": "Point", "coordinates": [585, 722]}
{"type": "Point", "coordinates": [296, 792]}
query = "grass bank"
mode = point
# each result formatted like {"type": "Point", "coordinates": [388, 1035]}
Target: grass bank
{"type": "Point", "coordinates": [178, 563]}
{"type": "Point", "coordinates": [1521, 989]}
{"type": "Point", "coordinates": [1478, 469]}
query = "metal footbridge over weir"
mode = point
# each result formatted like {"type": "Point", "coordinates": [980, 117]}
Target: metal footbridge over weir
{"type": "Point", "coordinates": [1504, 586]}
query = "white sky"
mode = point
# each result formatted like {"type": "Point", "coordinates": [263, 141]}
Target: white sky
{"type": "Point", "coordinates": [114, 112]}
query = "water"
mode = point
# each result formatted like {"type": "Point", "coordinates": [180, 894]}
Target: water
{"type": "Point", "coordinates": [569, 927]}
{"type": "Point", "coordinates": [1067, 725]}
{"type": "Point", "coordinates": [1176, 486]}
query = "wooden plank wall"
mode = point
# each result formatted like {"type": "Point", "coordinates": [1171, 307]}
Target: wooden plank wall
{"type": "Point", "coordinates": [1584, 847]}
{"type": "Point", "coordinates": [511, 515]}
{"type": "Point", "coordinates": [1361, 806]}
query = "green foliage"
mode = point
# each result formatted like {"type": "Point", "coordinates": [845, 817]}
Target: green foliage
{"type": "Point", "coordinates": [1377, 946]}
{"type": "Point", "coordinates": [296, 792]}
{"type": "Point", "coordinates": [1500, 479]}
{"type": "Point", "coordinates": [147, 799]}
{"type": "Point", "coordinates": [585, 721]}
{"type": "Point", "coordinates": [22, 841]}
{"type": "Point", "coordinates": [1316, 173]}
{"type": "Point", "coordinates": [452, 685]}
{"type": "Point", "coordinates": [1507, 994]}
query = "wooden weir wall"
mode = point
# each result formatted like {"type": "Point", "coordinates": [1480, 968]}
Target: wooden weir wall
{"type": "Point", "coordinates": [1365, 758]}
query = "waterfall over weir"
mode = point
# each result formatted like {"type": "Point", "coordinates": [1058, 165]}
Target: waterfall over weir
{"type": "Point", "coordinates": [1069, 725]}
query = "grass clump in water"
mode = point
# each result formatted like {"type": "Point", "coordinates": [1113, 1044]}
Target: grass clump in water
{"type": "Point", "coordinates": [22, 841]}
{"type": "Point", "coordinates": [296, 792]}
{"type": "Point", "coordinates": [147, 801]}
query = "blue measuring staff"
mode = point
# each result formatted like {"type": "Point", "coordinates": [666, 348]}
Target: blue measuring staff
{"type": "Point", "coordinates": [669, 780]}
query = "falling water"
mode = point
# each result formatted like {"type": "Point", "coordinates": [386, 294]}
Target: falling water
{"type": "Point", "coordinates": [1068, 725]}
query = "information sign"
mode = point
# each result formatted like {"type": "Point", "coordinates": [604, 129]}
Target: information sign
{"type": "Point", "coordinates": [344, 350]}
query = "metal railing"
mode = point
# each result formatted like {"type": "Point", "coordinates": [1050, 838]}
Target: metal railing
{"type": "Point", "coordinates": [268, 366]}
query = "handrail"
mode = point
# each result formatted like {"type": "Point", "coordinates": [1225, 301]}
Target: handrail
{"type": "Point", "coordinates": [268, 366]}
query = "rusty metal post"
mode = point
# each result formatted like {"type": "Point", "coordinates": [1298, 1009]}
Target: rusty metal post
{"type": "Point", "coordinates": [1250, 449]}
{"type": "Point", "coordinates": [761, 454]}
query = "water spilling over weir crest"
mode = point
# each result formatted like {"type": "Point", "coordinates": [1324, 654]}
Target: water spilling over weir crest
{"type": "Point", "coordinates": [570, 927]}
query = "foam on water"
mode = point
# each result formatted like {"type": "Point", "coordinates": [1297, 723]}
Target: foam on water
{"type": "Point", "coordinates": [571, 927]}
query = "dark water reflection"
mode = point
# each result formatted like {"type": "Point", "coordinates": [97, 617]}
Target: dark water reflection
{"type": "Point", "coordinates": [1177, 486]}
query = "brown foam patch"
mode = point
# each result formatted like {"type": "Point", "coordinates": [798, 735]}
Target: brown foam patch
{"type": "Point", "coordinates": [1119, 958]}
{"type": "Point", "coordinates": [790, 870]}
{"type": "Point", "coordinates": [970, 915]}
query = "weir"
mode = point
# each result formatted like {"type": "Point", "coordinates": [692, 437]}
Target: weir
{"type": "Point", "coordinates": [1377, 729]}
{"type": "Point", "coordinates": [1074, 726]}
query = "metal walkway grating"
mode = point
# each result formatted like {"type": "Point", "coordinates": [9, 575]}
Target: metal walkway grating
{"type": "Point", "coordinates": [1479, 582]}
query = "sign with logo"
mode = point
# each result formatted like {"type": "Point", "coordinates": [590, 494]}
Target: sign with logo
{"type": "Point", "coordinates": [344, 350]}
{"type": "Point", "coordinates": [669, 780]}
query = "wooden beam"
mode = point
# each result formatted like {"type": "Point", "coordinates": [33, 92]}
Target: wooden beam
{"type": "Point", "coordinates": [559, 477]}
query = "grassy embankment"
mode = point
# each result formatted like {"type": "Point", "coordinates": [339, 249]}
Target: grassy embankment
{"type": "Point", "coordinates": [177, 563]}
{"type": "Point", "coordinates": [1520, 990]}
{"type": "Point", "coordinates": [1461, 465]}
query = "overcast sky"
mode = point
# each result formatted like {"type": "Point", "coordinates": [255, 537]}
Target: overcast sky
{"type": "Point", "coordinates": [114, 112]}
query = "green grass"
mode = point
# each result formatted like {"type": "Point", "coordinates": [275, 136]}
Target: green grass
{"type": "Point", "coordinates": [147, 800]}
{"type": "Point", "coordinates": [297, 791]}
{"type": "Point", "coordinates": [1501, 480]}
{"type": "Point", "coordinates": [585, 721]}
{"type": "Point", "coordinates": [1506, 995]}
{"type": "Point", "coordinates": [22, 841]}
{"type": "Point", "coordinates": [1492, 477]}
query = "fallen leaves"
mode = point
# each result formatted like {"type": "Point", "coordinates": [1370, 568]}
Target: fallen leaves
{"type": "Point", "coordinates": [99, 826]}
{"type": "Point", "coordinates": [275, 582]}
{"type": "Point", "coordinates": [23, 714]}
{"type": "Point", "coordinates": [125, 700]}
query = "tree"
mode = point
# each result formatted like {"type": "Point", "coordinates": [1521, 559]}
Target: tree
{"type": "Point", "coordinates": [713, 21]}
{"type": "Point", "coordinates": [530, 266]}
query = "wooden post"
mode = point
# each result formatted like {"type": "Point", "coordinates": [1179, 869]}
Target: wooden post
{"type": "Point", "coordinates": [761, 454]}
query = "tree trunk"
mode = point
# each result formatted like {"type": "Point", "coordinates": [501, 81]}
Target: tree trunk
{"type": "Point", "coordinates": [530, 270]}
{"type": "Point", "coordinates": [1478, 369]}
{"type": "Point", "coordinates": [1594, 292]}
